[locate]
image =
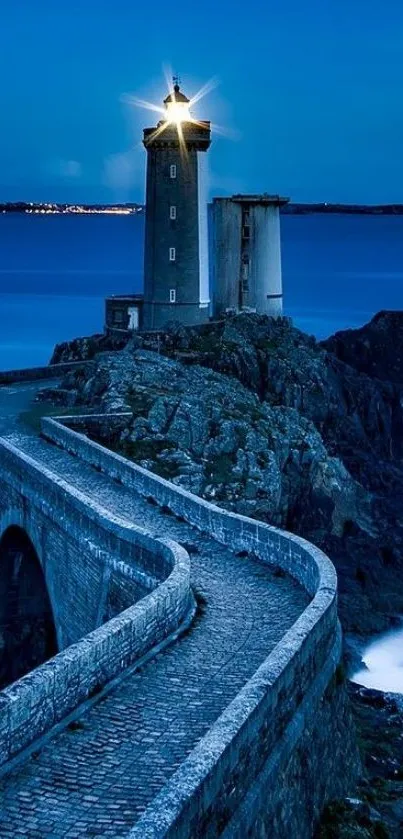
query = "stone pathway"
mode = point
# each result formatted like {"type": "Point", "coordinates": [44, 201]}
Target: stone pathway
{"type": "Point", "coordinates": [97, 776]}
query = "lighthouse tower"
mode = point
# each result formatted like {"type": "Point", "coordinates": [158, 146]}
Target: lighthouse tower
{"type": "Point", "coordinates": [176, 247]}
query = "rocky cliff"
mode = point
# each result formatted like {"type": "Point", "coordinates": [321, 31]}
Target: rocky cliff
{"type": "Point", "coordinates": [376, 349]}
{"type": "Point", "coordinates": [258, 416]}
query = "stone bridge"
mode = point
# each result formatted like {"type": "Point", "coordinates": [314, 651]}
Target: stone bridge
{"type": "Point", "coordinates": [195, 689]}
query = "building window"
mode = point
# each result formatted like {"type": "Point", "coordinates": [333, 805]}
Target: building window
{"type": "Point", "coordinates": [172, 254]}
{"type": "Point", "coordinates": [245, 270]}
{"type": "Point", "coordinates": [172, 212]}
{"type": "Point", "coordinates": [172, 170]}
{"type": "Point", "coordinates": [118, 316]}
{"type": "Point", "coordinates": [172, 295]}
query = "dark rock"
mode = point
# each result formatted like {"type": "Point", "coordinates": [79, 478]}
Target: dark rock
{"type": "Point", "coordinates": [255, 415]}
{"type": "Point", "coordinates": [57, 396]}
{"type": "Point", "coordinates": [83, 349]}
{"type": "Point", "coordinates": [376, 349]}
{"type": "Point", "coordinates": [265, 421]}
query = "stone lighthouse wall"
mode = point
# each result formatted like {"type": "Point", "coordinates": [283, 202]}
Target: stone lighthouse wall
{"type": "Point", "coordinates": [176, 255]}
{"type": "Point", "coordinates": [163, 275]}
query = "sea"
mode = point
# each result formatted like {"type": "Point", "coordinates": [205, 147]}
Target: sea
{"type": "Point", "coordinates": [55, 271]}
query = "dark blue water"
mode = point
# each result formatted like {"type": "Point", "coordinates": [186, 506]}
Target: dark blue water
{"type": "Point", "coordinates": [56, 270]}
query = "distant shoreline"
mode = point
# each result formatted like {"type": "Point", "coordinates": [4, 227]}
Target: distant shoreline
{"type": "Point", "coordinates": [346, 209]}
{"type": "Point", "coordinates": [32, 208]}
{"type": "Point", "coordinates": [297, 209]}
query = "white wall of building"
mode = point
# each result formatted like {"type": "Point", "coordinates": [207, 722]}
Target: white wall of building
{"type": "Point", "coordinates": [265, 264]}
{"type": "Point", "coordinates": [203, 183]}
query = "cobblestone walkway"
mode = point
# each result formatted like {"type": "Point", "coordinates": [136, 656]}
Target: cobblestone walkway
{"type": "Point", "coordinates": [96, 777]}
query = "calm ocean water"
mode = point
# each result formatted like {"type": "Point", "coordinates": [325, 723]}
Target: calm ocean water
{"type": "Point", "coordinates": [56, 270]}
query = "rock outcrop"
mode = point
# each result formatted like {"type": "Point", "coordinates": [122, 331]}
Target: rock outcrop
{"type": "Point", "coordinates": [259, 417]}
{"type": "Point", "coordinates": [83, 349]}
{"type": "Point", "coordinates": [256, 415]}
{"type": "Point", "coordinates": [375, 349]}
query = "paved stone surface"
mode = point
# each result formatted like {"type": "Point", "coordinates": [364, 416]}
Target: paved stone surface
{"type": "Point", "coordinates": [96, 777]}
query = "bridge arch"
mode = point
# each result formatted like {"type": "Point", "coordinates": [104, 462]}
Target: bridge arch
{"type": "Point", "coordinates": [27, 625]}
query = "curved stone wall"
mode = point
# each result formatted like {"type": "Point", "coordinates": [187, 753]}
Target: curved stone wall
{"type": "Point", "coordinates": [34, 374]}
{"type": "Point", "coordinates": [233, 781]}
{"type": "Point", "coordinates": [84, 551]}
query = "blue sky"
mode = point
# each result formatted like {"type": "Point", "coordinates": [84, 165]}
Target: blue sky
{"type": "Point", "coordinates": [310, 93]}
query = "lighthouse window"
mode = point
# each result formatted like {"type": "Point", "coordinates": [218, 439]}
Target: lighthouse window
{"type": "Point", "coordinates": [172, 254]}
{"type": "Point", "coordinates": [172, 170]}
{"type": "Point", "coordinates": [172, 295]}
{"type": "Point", "coordinates": [172, 212]}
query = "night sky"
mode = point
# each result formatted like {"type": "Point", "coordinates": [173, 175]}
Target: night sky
{"type": "Point", "coordinates": [310, 94]}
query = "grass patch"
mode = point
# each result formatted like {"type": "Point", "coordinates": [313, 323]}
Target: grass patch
{"type": "Point", "coordinates": [218, 470]}
{"type": "Point", "coordinates": [141, 402]}
{"type": "Point", "coordinates": [32, 418]}
{"type": "Point", "coordinates": [149, 449]}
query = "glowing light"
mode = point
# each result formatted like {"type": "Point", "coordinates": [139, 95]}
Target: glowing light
{"type": "Point", "coordinates": [178, 112]}
{"type": "Point", "coordinates": [175, 111]}
{"type": "Point", "coordinates": [207, 88]}
{"type": "Point", "coordinates": [127, 99]}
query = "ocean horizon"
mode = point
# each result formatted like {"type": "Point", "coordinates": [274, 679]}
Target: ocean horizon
{"type": "Point", "coordinates": [55, 272]}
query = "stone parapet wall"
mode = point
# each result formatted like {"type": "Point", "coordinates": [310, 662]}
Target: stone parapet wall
{"type": "Point", "coordinates": [295, 555]}
{"type": "Point", "coordinates": [68, 529]}
{"type": "Point", "coordinates": [257, 743]}
{"type": "Point", "coordinates": [34, 374]}
{"type": "Point", "coordinates": [242, 777]}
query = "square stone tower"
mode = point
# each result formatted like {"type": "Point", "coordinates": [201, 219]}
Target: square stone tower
{"type": "Point", "coordinates": [176, 246]}
{"type": "Point", "coordinates": [246, 254]}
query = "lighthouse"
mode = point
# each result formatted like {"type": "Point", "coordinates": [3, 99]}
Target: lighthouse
{"type": "Point", "coordinates": [241, 233]}
{"type": "Point", "coordinates": [176, 280]}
